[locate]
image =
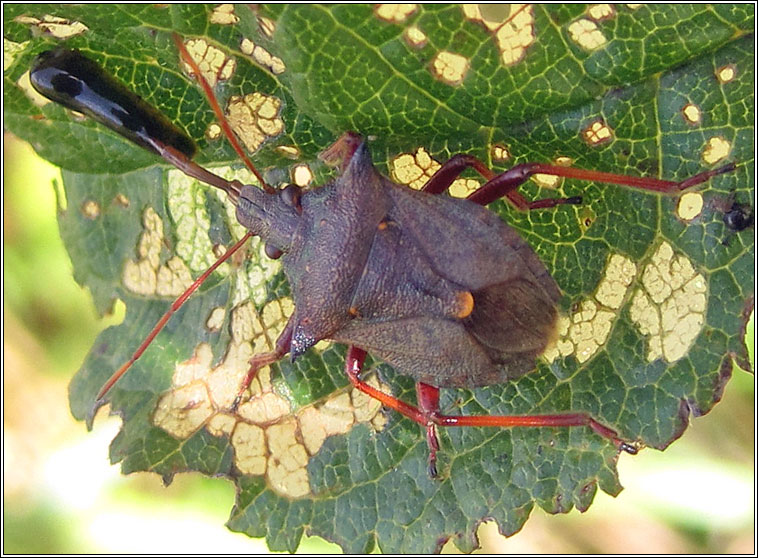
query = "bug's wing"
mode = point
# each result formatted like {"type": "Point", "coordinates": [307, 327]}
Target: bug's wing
{"type": "Point", "coordinates": [514, 295]}
{"type": "Point", "coordinates": [466, 243]}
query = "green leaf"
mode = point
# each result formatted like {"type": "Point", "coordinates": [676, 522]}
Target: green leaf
{"type": "Point", "coordinates": [641, 73]}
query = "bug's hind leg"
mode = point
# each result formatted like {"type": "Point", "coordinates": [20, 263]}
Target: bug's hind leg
{"type": "Point", "coordinates": [428, 401]}
{"type": "Point", "coordinates": [427, 413]}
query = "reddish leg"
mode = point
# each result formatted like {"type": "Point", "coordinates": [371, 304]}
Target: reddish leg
{"type": "Point", "coordinates": [232, 189]}
{"type": "Point", "coordinates": [427, 413]}
{"type": "Point", "coordinates": [264, 359]}
{"type": "Point", "coordinates": [99, 401]}
{"type": "Point", "coordinates": [213, 101]}
{"type": "Point", "coordinates": [506, 183]}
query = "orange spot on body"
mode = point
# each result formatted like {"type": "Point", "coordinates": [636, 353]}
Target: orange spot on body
{"type": "Point", "coordinates": [465, 302]}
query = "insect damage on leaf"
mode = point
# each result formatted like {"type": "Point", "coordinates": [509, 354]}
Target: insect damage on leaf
{"type": "Point", "coordinates": [727, 73]}
{"type": "Point", "coordinates": [223, 14]}
{"type": "Point", "coordinates": [600, 12]}
{"type": "Point", "coordinates": [597, 133]}
{"type": "Point", "coordinates": [57, 27]}
{"type": "Point", "coordinates": [301, 175]}
{"type": "Point", "coordinates": [255, 118]}
{"type": "Point", "coordinates": [552, 181]}
{"type": "Point", "coordinates": [586, 330]}
{"type": "Point", "coordinates": [91, 209]}
{"type": "Point", "coordinates": [689, 206]}
{"type": "Point", "coordinates": [260, 55]}
{"type": "Point", "coordinates": [415, 170]}
{"type": "Point", "coordinates": [716, 150]}
{"type": "Point", "coordinates": [512, 25]}
{"type": "Point", "coordinates": [216, 319]}
{"type": "Point", "coordinates": [213, 63]}
{"type": "Point", "coordinates": [669, 309]}
{"type": "Point", "coordinates": [449, 68]}
{"type": "Point", "coordinates": [586, 34]}
{"type": "Point", "coordinates": [146, 275]}
{"type": "Point", "coordinates": [692, 114]}
{"type": "Point", "coordinates": [500, 153]}
{"type": "Point", "coordinates": [415, 37]}
{"type": "Point", "coordinates": [394, 13]}
{"type": "Point", "coordinates": [268, 435]}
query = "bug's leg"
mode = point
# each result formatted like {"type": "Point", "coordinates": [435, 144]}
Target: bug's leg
{"type": "Point", "coordinates": [213, 101]}
{"type": "Point", "coordinates": [428, 398]}
{"type": "Point", "coordinates": [558, 420]}
{"type": "Point", "coordinates": [428, 414]}
{"type": "Point", "coordinates": [264, 359]}
{"type": "Point", "coordinates": [505, 184]}
{"type": "Point", "coordinates": [354, 363]}
{"type": "Point", "coordinates": [341, 151]}
{"type": "Point", "coordinates": [453, 167]}
{"type": "Point", "coordinates": [100, 399]}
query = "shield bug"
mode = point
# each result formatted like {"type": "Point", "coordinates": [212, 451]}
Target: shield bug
{"type": "Point", "coordinates": [440, 288]}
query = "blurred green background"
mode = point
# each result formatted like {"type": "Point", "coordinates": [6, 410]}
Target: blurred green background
{"type": "Point", "coordinates": [61, 495]}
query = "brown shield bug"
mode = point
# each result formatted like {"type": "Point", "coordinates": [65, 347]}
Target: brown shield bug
{"type": "Point", "coordinates": [440, 288]}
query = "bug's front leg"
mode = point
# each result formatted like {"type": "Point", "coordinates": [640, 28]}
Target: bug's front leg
{"type": "Point", "coordinates": [264, 359]}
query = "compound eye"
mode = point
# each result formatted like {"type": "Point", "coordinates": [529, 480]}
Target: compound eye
{"type": "Point", "coordinates": [272, 251]}
{"type": "Point", "coordinates": [291, 195]}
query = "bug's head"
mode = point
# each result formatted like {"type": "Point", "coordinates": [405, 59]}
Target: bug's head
{"type": "Point", "coordinates": [273, 217]}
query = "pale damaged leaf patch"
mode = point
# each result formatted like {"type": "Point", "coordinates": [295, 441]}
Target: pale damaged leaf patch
{"type": "Point", "coordinates": [552, 181]}
{"type": "Point", "coordinates": [586, 34]}
{"type": "Point", "coordinates": [449, 68]}
{"type": "Point", "coordinates": [187, 206]}
{"type": "Point", "coordinates": [289, 151]}
{"type": "Point", "coordinates": [57, 27]}
{"type": "Point", "coordinates": [587, 329]}
{"type": "Point", "coordinates": [394, 13]}
{"type": "Point", "coordinates": [511, 24]}
{"type": "Point", "coordinates": [11, 50]}
{"type": "Point", "coordinates": [146, 275]}
{"type": "Point", "coordinates": [254, 118]}
{"type": "Point", "coordinates": [261, 56]}
{"type": "Point", "coordinates": [122, 200]}
{"type": "Point", "coordinates": [268, 435]}
{"type": "Point", "coordinates": [597, 133]}
{"type": "Point", "coordinates": [186, 203]}
{"type": "Point", "coordinates": [301, 175]}
{"type": "Point", "coordinates": [727, 73]}
{"type": "Point", "coordinates": [690, 205]}
{"type": "Point", "coordinates": [717, 149]}
{"type": "Point", "coordinates": [692, 114]}
{"type": "Point", "coordinates": [223, 14]}
{"type": "Point", "coordinates": [669, 309]}
{"type": "Point", "coordinates": [91, 209]}
{"type": "Point", "coordinates": [216, 319]}
{"type": "Point", "coordinates": [415, 37]}
{"type": "Point", "coordinates": [416, 170]}
{"type": "Point", "coordinates": [24, 83]}
{"type": "Point", "coordinates": [213, 63]}
{"type": "Point", "coordinates": [500, 153]}
{"type": "Point", "coordinates": [600, 12]}
{"type": "Point", "coordinates": [267, 26]}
